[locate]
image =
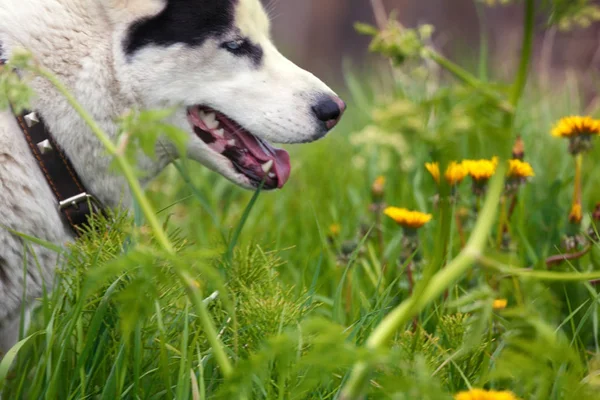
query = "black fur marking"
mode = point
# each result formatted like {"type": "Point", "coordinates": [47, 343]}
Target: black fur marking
{"type": "Point", "coordinates": [247, 49]}
{"type": "Point", "coordinates": [189, 22]}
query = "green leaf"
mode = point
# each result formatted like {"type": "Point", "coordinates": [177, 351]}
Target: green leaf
{"type": "Point", "coordinates": [11, 355]}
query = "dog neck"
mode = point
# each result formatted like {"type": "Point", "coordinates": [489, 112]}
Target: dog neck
{"type": "Point", "coordinates": [82, 58]}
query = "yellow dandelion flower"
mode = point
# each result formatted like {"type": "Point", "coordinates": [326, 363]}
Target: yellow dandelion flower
{"type": "Point", "coordinates": [335, 229]}
{"type": "Point", "coordinates": [520, 169]}
{"type": "Point", "coordinates": [407, 218]}
{"type": "Point", "coordinates": [481, 170]}
{"type": "Point", "coordinates": [576, 215]}
{"type": "Point", "coordinates": [455, 173]}
{"type": "Point", "coordinates": [434, 170]}
{"type": "Point", "coordinates": [500, 304]}
{"type": "Point", "coordinates": [480, 394]}
{"type": "Point", "coordinates": [576, 126]}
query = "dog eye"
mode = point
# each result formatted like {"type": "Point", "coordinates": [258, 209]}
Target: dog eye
{"type": "Point", "coordinates": [234, 45]}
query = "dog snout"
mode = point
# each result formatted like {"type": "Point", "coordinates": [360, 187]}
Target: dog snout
{"type": "Point", "coordinates": [329, 110]}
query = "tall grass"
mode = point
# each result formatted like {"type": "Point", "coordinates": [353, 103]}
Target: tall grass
{"type": "Point", "coordinates": [220, 293]}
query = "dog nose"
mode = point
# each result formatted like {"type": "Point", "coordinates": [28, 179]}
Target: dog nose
{"type": "Point", "coordinates": [330, 110]}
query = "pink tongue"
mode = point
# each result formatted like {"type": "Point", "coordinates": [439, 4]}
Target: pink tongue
{"type": "Point", "coordinates": [264, 152]}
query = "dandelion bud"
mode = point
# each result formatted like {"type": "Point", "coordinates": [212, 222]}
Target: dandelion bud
{"type": "Point", "coordinates": [518, 151]}
{"type": "Point", "coordinates": [575, 216]}
{"type": "Point", "coordinates": [378, 189]}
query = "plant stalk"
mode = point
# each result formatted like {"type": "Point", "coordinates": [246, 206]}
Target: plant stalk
{"type": "Point", "coordinates": [503, 221]}
{"type": "Point", "coordinates": [469, 79]}
{"type": "Point", "coordinates": [542, 275]}
{"type": "Point", "coordinates": [577, 183]}
{"type": "Point", "coordinates": [436, 287]}
{"type": "Point", "coordinates": [526, 50]}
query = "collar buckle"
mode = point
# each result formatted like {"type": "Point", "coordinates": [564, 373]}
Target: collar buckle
{"type": "Point", "coordinates": [78, 199]}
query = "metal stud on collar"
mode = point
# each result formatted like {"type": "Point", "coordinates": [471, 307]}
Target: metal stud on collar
{"type": "Point", "coordinates": [31, 119]}
{"type": "Point", "coordinates": [45, 146]}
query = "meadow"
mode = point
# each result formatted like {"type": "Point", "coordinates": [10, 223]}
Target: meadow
{"type": "Point", "coordinates": [442, 243]}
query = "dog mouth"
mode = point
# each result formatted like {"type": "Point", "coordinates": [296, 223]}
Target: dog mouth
{"type": "Point", "coordinates": [250, 155]}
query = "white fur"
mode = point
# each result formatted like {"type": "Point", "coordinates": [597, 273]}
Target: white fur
{"type": "Point", "coordinates": [81, 42]}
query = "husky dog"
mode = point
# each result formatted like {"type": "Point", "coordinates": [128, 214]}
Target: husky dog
{"type": "Point", "coordinates": [211, 60]}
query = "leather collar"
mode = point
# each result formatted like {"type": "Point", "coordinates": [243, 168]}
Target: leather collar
{"type": "Point", "coordinates": [73, 201]}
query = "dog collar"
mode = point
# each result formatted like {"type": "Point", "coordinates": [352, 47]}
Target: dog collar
{"type": "Point", "coordinates": [73, 201]}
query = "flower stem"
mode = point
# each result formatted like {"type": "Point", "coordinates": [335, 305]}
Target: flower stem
{"type": "Point", "coordinates": [379, 227]}
{"type": "Point", "coordinates": [513, 205]}
{"type": "Point", "coordinates": [527, 47]}
{"type": "Point", "coordinates": [501, 223]}
{"type": "Point", "coordinates": [469, 79]}
{"type": "Point", "coordinates": [460, 230]}
{"type": "Point", "coordinates": [208, 324]}
{"type": "Point", "coordinates": [541, 275]}
{"type": "Point", "coordinates": [349, 293]}
{"type": "Point", "coordinates": [159, 234]}
{"type": "Point", "coordinates": [379, 12]}
{"type": "Point", "coordinates": [577, 183]}
{"type": "Point", "coordinates": [435, 287]}
{"type": "Point", "coordinates": [559, 258]}
{"type": "Point", "coordinates": [410, 277]}
{"type": "Point", "coordinates": [456, 70]}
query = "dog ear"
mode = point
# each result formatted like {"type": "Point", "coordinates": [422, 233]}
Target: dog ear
{"type": "Point", "coordinates": [128, 11]}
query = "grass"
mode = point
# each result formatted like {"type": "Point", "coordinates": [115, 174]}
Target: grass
{"type": "Point", "coordinates": [120, 326]}
{"type": "Point", "coordinates": [295, 304]}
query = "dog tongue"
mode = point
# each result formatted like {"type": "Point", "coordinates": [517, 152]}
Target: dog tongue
{"type": "Point", "coordinates": [264, 152]}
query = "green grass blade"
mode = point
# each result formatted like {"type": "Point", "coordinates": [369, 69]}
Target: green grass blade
{"type": "Point", "coordinates": [240, 226]}
{"type": "Point", "coordinates": [11, 355]}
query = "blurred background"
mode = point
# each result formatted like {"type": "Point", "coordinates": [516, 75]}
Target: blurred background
{"type": "Point", "coordinates": [319, 35]}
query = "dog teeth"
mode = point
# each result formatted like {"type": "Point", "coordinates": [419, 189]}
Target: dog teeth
{"type": "Point", "coordinates": [231, 142]}
{"type": "Point", "coordinates": [266, 167]}
{"type": "Point", "coordinates": [272, 175]}
{"type": "Point", "coordinates": [211, 121]}
{"type": "Point", "coordinates": [219, 132]}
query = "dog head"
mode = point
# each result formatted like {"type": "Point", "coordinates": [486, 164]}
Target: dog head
{"type": "Point", "coordinates": [214, 61]}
